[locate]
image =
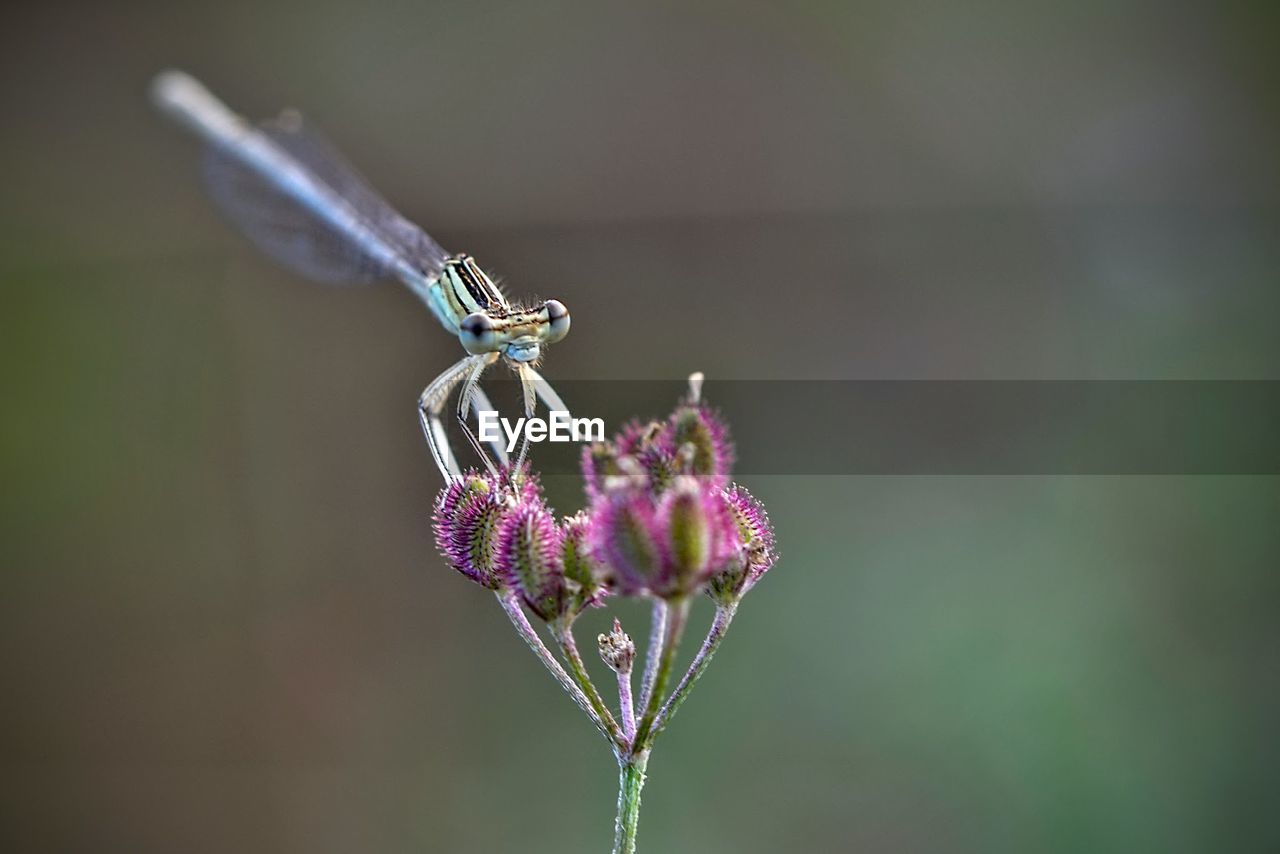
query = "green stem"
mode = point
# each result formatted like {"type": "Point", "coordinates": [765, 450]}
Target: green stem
{"type": "Point", "coordinates": [677, 616]}
{"type": "Point", "coordinates": [630, 782]}
{"type": "Point", "coordinates": [578, 670]}
{"type": "Point", "coordinates": [720, 625]}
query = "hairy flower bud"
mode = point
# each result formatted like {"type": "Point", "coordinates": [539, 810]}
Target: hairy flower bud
{"type": "Point", "coordinates": [693, 440]}
{"type": "Point", "coordinates": [585, 583]}
{"type": "Point", "coordinates": [622, 539]}
{"type": "Point", "coordinates": [663, 521]}
{"type": "Point", "coordinates": [702, 435]}
{"type": "Point", "coordinates": [699, 532]}
{"type": "Point", "coordinates": [599, 461]}
{"type": "Point", "coordinates": [639, 450]}
{"type": "Point", "coordinates": [666, 545]}
{"type": "Point", "coordinates": [755, 536]}
{"type": "Point", "coordinates": [468, 513]}
{"type": "Point", "coordinates": [529, 558]}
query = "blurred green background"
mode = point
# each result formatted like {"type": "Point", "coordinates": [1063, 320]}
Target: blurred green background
{"type": "Point", "coordinates": [224, 626]}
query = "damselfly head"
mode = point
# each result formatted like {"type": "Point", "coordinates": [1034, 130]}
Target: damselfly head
{"type": "Point", "coordinates": [517, 334]}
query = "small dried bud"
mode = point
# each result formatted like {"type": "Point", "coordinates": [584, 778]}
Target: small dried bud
{"type": "Point", "coordinates": [617, 649]}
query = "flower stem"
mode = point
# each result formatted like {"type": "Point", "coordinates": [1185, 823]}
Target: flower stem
{"type": "Point", "coordinates": [676, 617]}
{"type": "Point", "coordinates": [578, 671]}
{"type": "Point", "coordinates": [719, 625]}
{"type": "Point", "coordinates": [626, 704]}
{"type": "Point", "coordinates": [657, 628]}
{"type": "Point", "coordinates": [511, 605]}
{"type": "Point", "coordinates": [630, 782]}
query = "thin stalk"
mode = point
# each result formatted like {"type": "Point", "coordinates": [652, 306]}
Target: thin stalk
{"type": "Point", "coordinates": [511, 605]}
{"type": "Point", "coordinates": [652, 652]}
{"type": "Point", "coordinates": [578, 671]}
{"type": "Point", "coordinates": [677, 616]}
{"type": "Point", "coordinates": [630, 782]}
{"type": "Point", "coordinates": [719, 626]}
{"type": "Point", "coordinates": [627, 706]}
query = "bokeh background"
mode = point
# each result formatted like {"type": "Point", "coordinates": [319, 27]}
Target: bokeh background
{"type": "Point", "coordinates": [223, 625]}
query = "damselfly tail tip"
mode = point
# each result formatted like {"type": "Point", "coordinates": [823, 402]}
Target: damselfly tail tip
{"type": "Point", "coordinates": [170, 86]}
{"type": "Point", "coordinates": [186, 100]}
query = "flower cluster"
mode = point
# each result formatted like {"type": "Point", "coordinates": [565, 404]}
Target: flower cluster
{"type": "Point", "coordinates": [497, 530]}
{"type": "Point", "coordinates": [663, 521]}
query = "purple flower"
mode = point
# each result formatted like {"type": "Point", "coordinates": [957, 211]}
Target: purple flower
{"type": "Point", "coordinates": [663, 521]}
{"type": "Point", "coordinates": [503, 536]}
{"type": "Point", "coordinates": [667, 545]}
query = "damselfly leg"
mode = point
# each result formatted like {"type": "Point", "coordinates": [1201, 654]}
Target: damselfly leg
{"type": "Point", "coordinates": [533, 388]}
{"type": "Point", "coordinates": [465, 376]}
{"type": "Point", "coordinates": [431, 404]}
{"type": "Point", "coordinates": [468, 398]}
{"type": "Point", "coordinates": [480, 403]}
{"type": "Point", "coordinates": [545, 392]}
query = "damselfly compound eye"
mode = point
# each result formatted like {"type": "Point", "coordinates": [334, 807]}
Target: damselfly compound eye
{"type": "Point", "coordinates": [558, 316]}
{"type": "Point", "coordinates": [476, 333]}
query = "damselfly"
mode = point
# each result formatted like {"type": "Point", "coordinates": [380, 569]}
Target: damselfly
{"type": "Point", "coordinates": [294, 196]}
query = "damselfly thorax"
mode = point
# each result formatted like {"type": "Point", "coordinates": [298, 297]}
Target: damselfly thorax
{"type": "Point", "coordinates": [486, 323]}
{"type": "Point", "coordinates": [468, 302]}
{"type": "Point", "coordinates": [290, 192]}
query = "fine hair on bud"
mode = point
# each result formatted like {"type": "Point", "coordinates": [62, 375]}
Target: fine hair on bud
{"type": "Point", "coordinates": [466, 515]}
{"type": "Point", "coordinates": [529, 558]}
